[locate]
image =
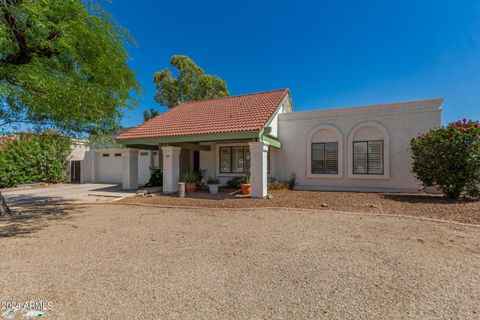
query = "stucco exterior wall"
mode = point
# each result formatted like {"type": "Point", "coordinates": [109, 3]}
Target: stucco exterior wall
{"type": "Point", "coordinates": [284, 107]}
{"type": "Point", "coordinates": [79, 149]}
{"type": "Point", "coordinates": [207, 160]}
{"type": "Point", "coordinates": [96, 168]}
{"type": "Point", "coordinates": [397, 123]}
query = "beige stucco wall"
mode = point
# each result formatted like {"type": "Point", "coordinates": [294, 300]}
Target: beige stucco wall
{"type": "Point", "coordinates": [79, 149]}
{"type": "Point", "coordinates": [207, 160]}
{"type": "Point", "coordinates": [398, 123]}
{"type": "Point", "coordinates": [284, 107]}
{"type": "Point", "coordinates": [98, 169]}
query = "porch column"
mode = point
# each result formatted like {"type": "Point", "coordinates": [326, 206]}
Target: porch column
{"type": "Point", "coordinates": [130, 169]}
{"type": "Point", "coordinates": [171, 172]}
{"type": "Point", "coordinates": [258, 168]}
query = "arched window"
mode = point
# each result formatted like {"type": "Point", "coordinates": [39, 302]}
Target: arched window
{"type": "Point", "coordinates": [369, 150]}
{"type": "Point", "coordinates": [325, 153]}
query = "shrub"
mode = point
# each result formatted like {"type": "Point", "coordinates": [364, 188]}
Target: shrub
{"type": "Point", "coordinates": [291, 182]}
{"type": "Point", "coordinates": [213, 180]}
{"type": "Point", "coordinates": [200, 174]}
{"type": "Point", "coordinates": [235, 182]}
{"type": "Point", "coordinates": [449, 158]}
{"type": "Point", "coordinates": [189, 178]}
{"type": "Point", "coordinates": [276, 184]}
{"type": "Point", "coordinates": [156, 177]}
{"type": "Point", "coordinates": [29, 158]}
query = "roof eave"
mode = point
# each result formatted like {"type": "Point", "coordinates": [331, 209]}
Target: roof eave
{"type": "Point", "coordinates": [209, 137]}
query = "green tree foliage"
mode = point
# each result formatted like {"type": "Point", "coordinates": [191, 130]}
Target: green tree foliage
{"type": "Point", "coordinates": [63, 64]}
{"type": "Point", "coordinates": [449, 158]}
{"type": "Point", "coordinates": [192, 83]}
{"type": "Point", "coordinates": [102, 140]}
{"type": "Point", "coordinates": [30, 158]}
{"type": "Point", "coordinates": [147, 115]}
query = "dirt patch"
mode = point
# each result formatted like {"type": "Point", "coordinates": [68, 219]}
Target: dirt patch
{"type": "Point", "coordinates": [129, 262]}
{"type": "Point", "coordinates": [421, 205]}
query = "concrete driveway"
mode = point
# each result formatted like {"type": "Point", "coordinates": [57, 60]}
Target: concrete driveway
{"type": "Point", "coordinates": [66, 192]}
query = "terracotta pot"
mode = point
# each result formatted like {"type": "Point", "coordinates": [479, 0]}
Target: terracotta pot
{"type": "Point", "coordinates": [191, 186]}
{"type": "Point", "coordinates": [245, 188]}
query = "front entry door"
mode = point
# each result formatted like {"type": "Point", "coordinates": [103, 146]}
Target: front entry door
{"type": "Point", "coordinates": [196, 161]}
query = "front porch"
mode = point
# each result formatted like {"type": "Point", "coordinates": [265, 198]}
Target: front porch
{"type": "Point", "coordinates": [223, 158]}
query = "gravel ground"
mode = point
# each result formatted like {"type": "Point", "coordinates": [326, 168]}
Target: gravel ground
{"type": "Point", "coordinates": [422, 205]}
{"type": "Point", "coordinates": [109, 261]}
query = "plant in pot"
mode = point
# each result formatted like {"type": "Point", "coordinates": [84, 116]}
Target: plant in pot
{"type": "Point", "coordinates": [200, 174]}
{"type": "Point", "coordinates": [245, 184]}
{"type": "Point", "coordinates": [213, 184]}
{"type": "Point", "coordinates": [190, 180]}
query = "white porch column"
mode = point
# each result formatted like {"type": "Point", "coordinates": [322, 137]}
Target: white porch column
{"type": "Point", "coordinates": [258, 168]}
{"type": "Point", "coordinates": [171, 168]}
{"type": "Point", "coordinates": [130, 169]}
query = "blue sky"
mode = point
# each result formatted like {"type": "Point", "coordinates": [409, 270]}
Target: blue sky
{"type": "Point", "coordinates": [329, 53]}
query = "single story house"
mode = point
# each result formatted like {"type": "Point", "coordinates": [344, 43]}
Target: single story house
{"type": "Point", "coordinates": [354, 149]}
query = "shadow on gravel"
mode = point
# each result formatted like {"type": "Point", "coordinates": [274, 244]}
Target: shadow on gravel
{"type": "Point", "coordinates": [424, 198]}
{"type": "Point", "coordinates": [30, 219]}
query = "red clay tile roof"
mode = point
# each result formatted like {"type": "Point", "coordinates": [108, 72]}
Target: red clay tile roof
{"type": "Point", "coordinates": [249, 112]}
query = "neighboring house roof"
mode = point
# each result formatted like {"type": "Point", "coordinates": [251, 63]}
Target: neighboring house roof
{"type": "Point", "coordinates": [249, 112]}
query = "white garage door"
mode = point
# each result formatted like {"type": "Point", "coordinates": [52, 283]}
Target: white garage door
{"type": "Point", "coordinates": [110, 167]}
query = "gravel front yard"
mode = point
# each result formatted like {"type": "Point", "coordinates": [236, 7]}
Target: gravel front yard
{"type": "Point", "coordinates": [422, 205]}
{"type": "Point", "coordinates": [127, 262]}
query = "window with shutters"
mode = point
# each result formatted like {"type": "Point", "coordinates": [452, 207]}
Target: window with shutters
{"type": "Point", "coordinates": [324, 153]}
{"type": "Point", "coordinates": [324, 158]}
{"type": "Point", "coordinates": [368, 157]}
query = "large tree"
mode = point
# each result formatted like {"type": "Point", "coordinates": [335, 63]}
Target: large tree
{"type": "Point", "coordinates": [63, 65]}
{"type": "Point", "coordinates": [191, 83]}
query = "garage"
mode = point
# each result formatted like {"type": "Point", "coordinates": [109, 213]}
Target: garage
{"type": "Point", "coordinates": [109, 167]}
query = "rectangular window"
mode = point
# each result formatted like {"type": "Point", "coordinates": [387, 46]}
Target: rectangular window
{"type": "Point", "coordinates": [118, 154]}
{"type": "Point", "coordinates": [238, 159]}
{"type": "Point", "coordinates": [324, 158]}
{"type": "Point", "coordinates": [225, 160]}
{"type": "Point", "coordinates": [105, 155]}
{"type": "Point", "coordinates": [368, 157]}
{"type": "Point", "coordinates": [143, 154]}
{"type": "Point", "coordinates": [234, 159]}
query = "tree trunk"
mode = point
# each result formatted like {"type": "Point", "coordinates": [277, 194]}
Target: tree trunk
{"type": "Point", "coordinates": [4, 209]}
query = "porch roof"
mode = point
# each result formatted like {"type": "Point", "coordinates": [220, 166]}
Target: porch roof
{"type": "Point", "coordinates": [243, 116]}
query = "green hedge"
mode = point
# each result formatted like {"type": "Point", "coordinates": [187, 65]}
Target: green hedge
{"type": "Point", "coordinates": [31, 158]}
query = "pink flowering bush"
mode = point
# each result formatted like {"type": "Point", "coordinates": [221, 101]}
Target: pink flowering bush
{"type": "Point", "coordinates": [449, 158]}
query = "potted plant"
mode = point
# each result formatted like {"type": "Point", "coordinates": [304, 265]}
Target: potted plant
{"type": "Point", "coordinates": [200, 175]}
{"type": "Point", "coordinates": [190, 182]}
{"type": "Point", "coordinates": [245, 184]}
{"type": "Point", "coordinates": [213, 185]}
